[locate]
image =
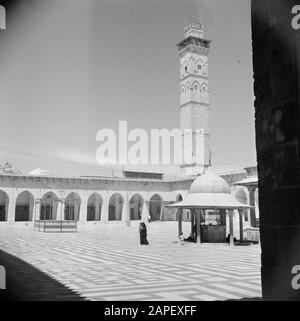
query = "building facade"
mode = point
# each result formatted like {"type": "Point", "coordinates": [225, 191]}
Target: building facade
{"type": "Point", "coordinates": [27, 198]}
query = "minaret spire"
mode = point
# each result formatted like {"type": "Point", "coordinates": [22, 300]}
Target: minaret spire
{"type": "Point", "coordinates": [194, 97]}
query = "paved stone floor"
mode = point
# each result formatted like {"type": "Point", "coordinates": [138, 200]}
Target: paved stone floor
{"type": "Point", "coordinates": [106, 262]}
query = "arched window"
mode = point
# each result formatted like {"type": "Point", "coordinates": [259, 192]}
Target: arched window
{"type": "Point", "coordinates": [94, 207]}
{"type": "Point", "coordinates": [204, 87]}
{"type": "Point", "coordinates": [156, 207]}
{"type": "Point", "coordinates": [136, 206]}
{"type": "Point", "coordinates": [48, 207]}
{"type": "Point", "coordinates": [185, 67]}
{"type": "Point", "coordinates": [196, 85]}
{"type": "Point", "coordinates": [199, 65]}
{"type": "Point", "coordinates": [188, 87]}
{"type": "Point", "coordinates": [116, 203]}
{"type": "Point", "coordinates": [72, 207]}
{"type": "Point", "coordinates": [24, 207]}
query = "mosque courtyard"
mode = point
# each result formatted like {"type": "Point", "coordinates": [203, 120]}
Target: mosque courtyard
{"type": "Point", "coordinates": [106, 262]}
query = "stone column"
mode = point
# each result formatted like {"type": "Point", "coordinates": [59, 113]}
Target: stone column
{"type": "Point", "coordinates": [97, 209]}
{"type": "Point", "coordinates": [162, 211]}
{"type": "Point", "coordinates": [231, 227]}
{"type": "Point", "coordinates": [83, 210]}
{"type": "Point", "coordinates": [63, 206]}
{"type": "Point", "coordinates": [11, 210]}
{"type": "Point", "coordinates": [251, 190]}
{"type": "Point", "coordinates": [37, 210]}
{"type": "Point", "coordinates": [241, 217]}
{"type": "Point", "coordinates": [198, 222]}
{"type": "Point", "coordinates": [179, 221]}
{"type": "Point", "coordinates": [126, 212]}
{"type": "Point", "coordinates": [192, 213]}
{"type": "Point", "coordinates": [60, 215]}
{"type": "Point", "coordinates": [145, 212]}
{"type": "Point", "coordinates": [104, 209]}
{"type": "Point", "coordinates": [31, 208]}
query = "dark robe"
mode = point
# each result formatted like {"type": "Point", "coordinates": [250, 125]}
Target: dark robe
{"type": "Point", "coordinates": [143, 235]}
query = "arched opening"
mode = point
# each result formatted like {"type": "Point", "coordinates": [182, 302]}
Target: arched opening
{"type": "Point", "coordinates": [3, 206]}
{"type": "Point", "coordinates": [48, 209]}
{"type": "Point", "coordinates": [196, 85]}
{"type": "Point", "coordinates": [115, 209]}
{"type": "Point", "coordinates": [94, 207]}
{"type": "Point", "coordinates": [204, 88]}
{"type": "Point", "coordinates": [24, 207]}
{"type": "Point", "coordinates": [242, 197]}
{"type": "Point", "coordinates": [156, 207]}
{"type": "Point", "coordinates": [136, 206]}
{"type": "Point", "coordinates": [72, 207]}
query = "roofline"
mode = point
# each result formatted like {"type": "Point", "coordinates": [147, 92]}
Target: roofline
{"type": "Point", "coordinates": [210, 207]}
{"type": "Point", "coordinates": [108, 178]}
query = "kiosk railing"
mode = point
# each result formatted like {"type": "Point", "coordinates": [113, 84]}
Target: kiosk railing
{"type": "Point", "coordinates": [55, 226]}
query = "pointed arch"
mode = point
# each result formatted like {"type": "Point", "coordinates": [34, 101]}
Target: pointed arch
{"type": "Point", "coordinates": [115, 209]}
{"type": "Point", "coordinates": [94, 207]}
{"type": "Point", "coordinates": [72, 207]}
{"type": "Point", "coordinates": [24, 207]}
{"type": "Point", "coordinates": [196, 85]}
{"type": "Point", "coordinates": [185, 67]}
{"type": "Point", "coordinates": [188, 86]}
{"type": "Point", "coordinates": [156, 207]}
{"type": "Point", "coordinates": [48, 206]}
{"type": "Point", "coordinates": [136, 206]}
{"type": "Point", "coordinates": [199, 65]}
{"type": "Point", "coordinates": [204, 87]}
{"type": "Point", "coordinates": [4, 200]}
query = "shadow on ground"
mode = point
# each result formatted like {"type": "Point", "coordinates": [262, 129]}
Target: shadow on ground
{"type": "Point", "coordinates": [245, 299]}
{"type": "Point", "coordinates": [24, 282]}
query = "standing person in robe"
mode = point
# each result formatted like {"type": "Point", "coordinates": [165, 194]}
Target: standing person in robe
{"type": "Point", "coordinates": [143, 234]}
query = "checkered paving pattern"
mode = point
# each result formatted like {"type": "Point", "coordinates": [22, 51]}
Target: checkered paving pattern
{"type": "Point", "coordinates": [106, 262]}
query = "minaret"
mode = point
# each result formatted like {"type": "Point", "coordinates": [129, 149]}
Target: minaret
{"type": "Point", "coordinates": [194, 99]}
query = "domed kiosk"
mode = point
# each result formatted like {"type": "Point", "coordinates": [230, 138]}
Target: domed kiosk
{"type": "Point", "coordinates": [210, 200]}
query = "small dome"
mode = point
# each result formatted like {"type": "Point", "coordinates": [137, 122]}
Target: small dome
{"type": "Point", "coordinates": [39, 172]}
{"type": "Point", "coordinates": [209, 182]}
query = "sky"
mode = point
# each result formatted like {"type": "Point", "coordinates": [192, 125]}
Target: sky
{"type": "Point", "coordinates": [69, 68]}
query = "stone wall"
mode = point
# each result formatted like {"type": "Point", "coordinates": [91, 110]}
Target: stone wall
{"type": "Point", "coordinates": [276, 55]}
